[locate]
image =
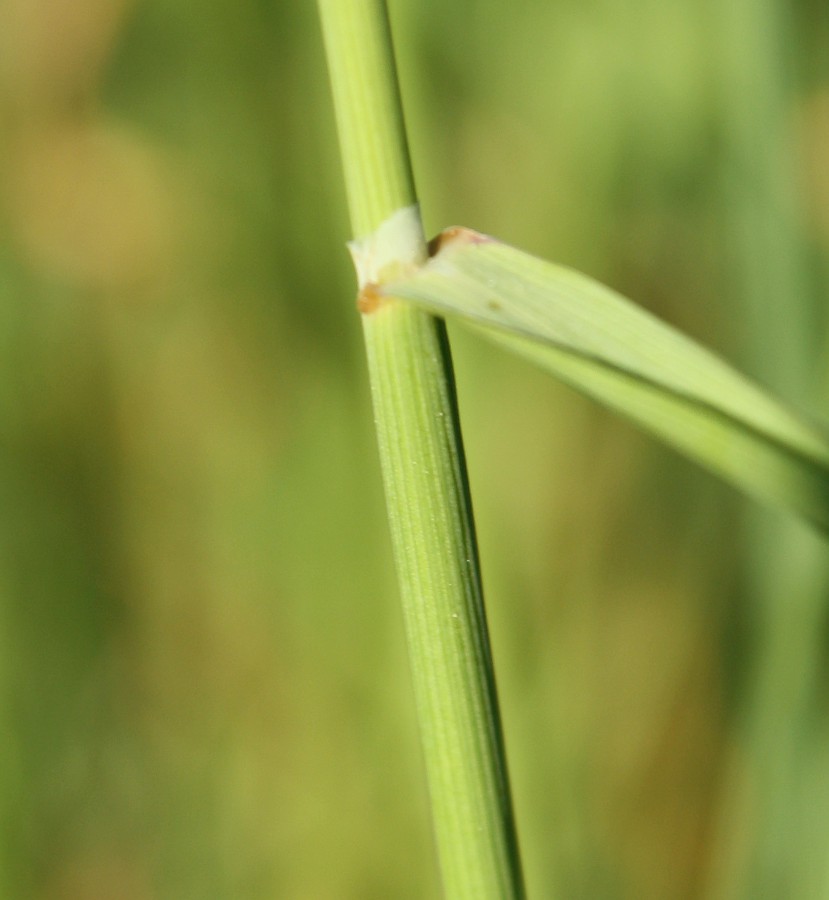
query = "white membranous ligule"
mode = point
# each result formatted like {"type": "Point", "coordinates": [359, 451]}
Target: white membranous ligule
{"type": "Point", "coordinates": [392, 250]}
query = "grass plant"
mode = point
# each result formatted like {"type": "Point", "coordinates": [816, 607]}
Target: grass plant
{"type": "Point", "coordinates": [583, 333]}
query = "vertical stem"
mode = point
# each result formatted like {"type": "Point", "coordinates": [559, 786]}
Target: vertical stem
{"type": "Point", "coordinates": [378, 173]}
{"type": "Point", "coordinates": [424, 472]}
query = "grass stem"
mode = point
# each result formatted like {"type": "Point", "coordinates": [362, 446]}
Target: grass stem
{"type": "Point", "coordinates": [424, 471]}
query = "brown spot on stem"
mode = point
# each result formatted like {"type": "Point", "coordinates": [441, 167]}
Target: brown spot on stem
{"type": "Point", "coordinates": [457, 234]}
{"type": "Point", "coordinates": [370, 298]}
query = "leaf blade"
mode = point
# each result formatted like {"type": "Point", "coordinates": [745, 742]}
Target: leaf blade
{"type": "Point", "coordinates": [600, 343]}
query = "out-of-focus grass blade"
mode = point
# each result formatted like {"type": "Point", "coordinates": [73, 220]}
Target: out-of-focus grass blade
{"type": "Point", "coordinates": [602, 344]}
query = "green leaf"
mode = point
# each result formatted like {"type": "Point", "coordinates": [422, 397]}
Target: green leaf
{"type": "Point", "coordinates": [602, 344]}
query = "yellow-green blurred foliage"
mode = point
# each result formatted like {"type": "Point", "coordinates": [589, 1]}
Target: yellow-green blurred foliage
{"type": "Point", "coordinates": [204, 683]}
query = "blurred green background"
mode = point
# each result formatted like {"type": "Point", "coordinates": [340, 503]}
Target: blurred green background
{"type": "Point", "coordinates": [203, 675]}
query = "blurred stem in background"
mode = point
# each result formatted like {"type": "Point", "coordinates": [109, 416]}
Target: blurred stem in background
{"type": "Point", "coordinates": [424, 472]}
{"type": "Point", "coordinates": [767, 845]}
